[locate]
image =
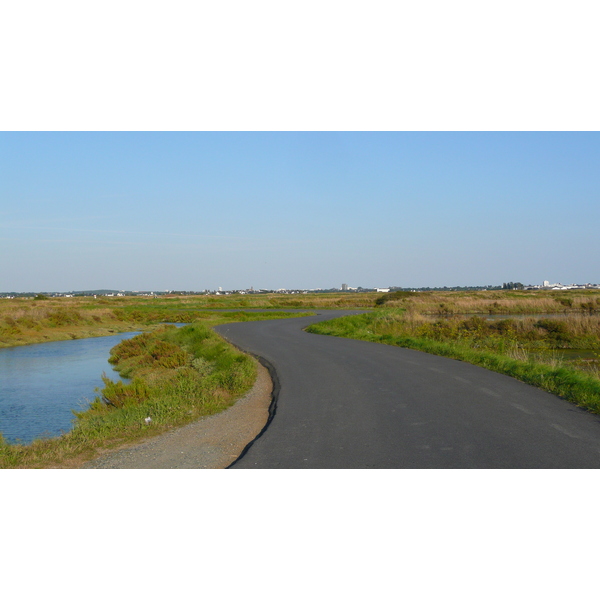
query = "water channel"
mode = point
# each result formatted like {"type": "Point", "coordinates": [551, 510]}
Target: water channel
{"type": "Point", "coordinates": [41, 384]}
{"type": "Point", "coordinates": [584, 359]}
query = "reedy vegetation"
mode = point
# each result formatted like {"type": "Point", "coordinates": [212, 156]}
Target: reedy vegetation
{"type": "Point", "coordinates": [494, 302]}
{"type": "Point", "coordinates": [576, 331]}
{"type": "Point", "coordinates": [25, 321]}
{"type": "Point", "coordinates": [177, 376]}
{"type": "Point", "coordinates": [507, 346]}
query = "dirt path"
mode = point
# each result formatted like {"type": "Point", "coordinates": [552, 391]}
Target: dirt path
{"type": "Point", "coordinates": [211, 443]}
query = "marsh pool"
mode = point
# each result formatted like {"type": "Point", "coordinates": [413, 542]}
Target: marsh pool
{"type": "Point", "coordinates": [41, 384]}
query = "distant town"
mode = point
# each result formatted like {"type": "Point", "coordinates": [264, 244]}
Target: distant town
{"type": "Point", "coordinates": [546, 285]}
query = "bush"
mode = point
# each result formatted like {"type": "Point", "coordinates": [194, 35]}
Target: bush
{"type": "Point", "coordinates": [590, 306]}
{"type": "Point", "coordinates": [504, 327]}
{"type": "Point", "coordinates": [474, 324]}
{"type": "Point", "coordinates": [181, 357]}
{"type": "Point", "coordinates": [118, 394]}
{"type": "Point", "coordinates": [568, 302]}
{"type": "Point", "coordinates": [556, 330]}
{"type": "Point", "coordinates": [63, 316]}
{"type": "Point", "coordinates": [390, 296]}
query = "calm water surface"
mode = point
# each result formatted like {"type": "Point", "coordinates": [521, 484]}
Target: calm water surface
{"type": "Point", "coordinates": [41, 384]}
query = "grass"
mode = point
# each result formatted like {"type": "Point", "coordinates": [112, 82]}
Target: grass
{"type": "Point", "coordinates": [503, 350]}
{"type": "Point", "coordinates": [574, 331]}
{"type": "Point", "coordinates": [29, 323]}
{"type": "Point", "coordinates": [495, 302]}
{"type": "Point", "coordinates": [26, 321]}
{"type": "Point", "coordinates": [178, 375]}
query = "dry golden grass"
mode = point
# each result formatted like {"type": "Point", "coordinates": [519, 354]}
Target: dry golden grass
{"type": "Point", "coordinates": [171, 396]}
{"type": "Point", "coordinates": [499, 302]}
{"type": "Point", "coordinates": [571, 331]}
{"type": "Point", "coordinates": [25, 321]}
{"type": "Point", "coordinates": [22, 324]}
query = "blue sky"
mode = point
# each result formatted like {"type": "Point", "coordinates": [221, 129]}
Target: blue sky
{"type": "Point", "coordinates": [195, 211]}
{"type": "Point", "coordinates": [201, 210]}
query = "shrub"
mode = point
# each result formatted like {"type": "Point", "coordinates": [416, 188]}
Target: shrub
{"type": "Point", "coordinates": [504, 326]}
{"type": "Point", "coordinates": [474, 324]}
{"type": "Point", "coordinates": [590, 306]}
{"type": "Point", "coordinates": [390, 296]}
{"type": "Point", "coordinates": [118, 394]}
{"type": "Point", "coordinates": [568, 302]}
{"type": "Point", "coordinates": [555, 329]}
{"type": "Point", "coordinates": [63, 316]}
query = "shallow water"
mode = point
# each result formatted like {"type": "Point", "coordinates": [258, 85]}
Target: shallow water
{"type": "Point", "coordinates": [41, 384]}
{"type": "Point", "coordinates": [580, 358]}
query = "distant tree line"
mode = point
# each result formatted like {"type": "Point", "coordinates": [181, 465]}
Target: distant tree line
{"type": "Point", "coordinates": [512, 286]}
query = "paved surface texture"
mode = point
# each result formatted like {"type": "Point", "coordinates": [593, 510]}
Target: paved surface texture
{"type": "Point", "coordinates": [344, 403]}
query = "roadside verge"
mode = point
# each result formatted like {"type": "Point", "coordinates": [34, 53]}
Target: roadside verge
{"type": "Point", "coordinates": [213, 442]}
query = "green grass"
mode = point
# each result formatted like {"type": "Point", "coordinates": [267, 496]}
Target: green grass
{"type": "Point", "coordinates": [385, 326]}
{"type": "Point", "coordinates": [177, 375]}
{"type": "Point", "coordinates": [67, 318]}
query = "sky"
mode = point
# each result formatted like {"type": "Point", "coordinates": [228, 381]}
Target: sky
{"type": "Point", "coordinates": [271, 210]}
{"type": "Point", "coordinates": [264, 144]}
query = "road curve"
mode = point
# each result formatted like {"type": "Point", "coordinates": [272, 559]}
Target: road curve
{"type": "Point", "coordinates": [345, 403]}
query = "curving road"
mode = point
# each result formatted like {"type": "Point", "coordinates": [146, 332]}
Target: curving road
{"type": "Point", "coordinates": [344, 403]}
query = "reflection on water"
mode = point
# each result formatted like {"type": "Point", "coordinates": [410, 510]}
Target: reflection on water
{"type": "Point", "coordinates": [41, 384]}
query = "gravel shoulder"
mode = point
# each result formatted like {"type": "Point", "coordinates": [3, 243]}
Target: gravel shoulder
{"type": "Point", "coordinates": [211, 443]}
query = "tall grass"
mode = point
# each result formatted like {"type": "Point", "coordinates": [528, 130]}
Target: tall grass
{"type": "Point", "coordinates": [27, 322]}
{"type": "Point", "coordinates": [177, 376]}
{"type": "Point", "coordinates": [495, 302]}
{"type": "Point", "coordinates": [575, 331]}
{"type": "Point", "coordinates": [475, 341]}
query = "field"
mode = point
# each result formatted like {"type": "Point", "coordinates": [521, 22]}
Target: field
{"type": "Point", "coordinates": [27, 321]}
{"type": "Point", "coordinates": [533, 302]}
{"type": "Point", "coordinates": [177, 375]}
{"type": "Point", "coordinates": [548, 339]}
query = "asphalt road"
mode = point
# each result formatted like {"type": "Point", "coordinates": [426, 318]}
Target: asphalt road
{"type": "Point", "coordinates": [345, 403]}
